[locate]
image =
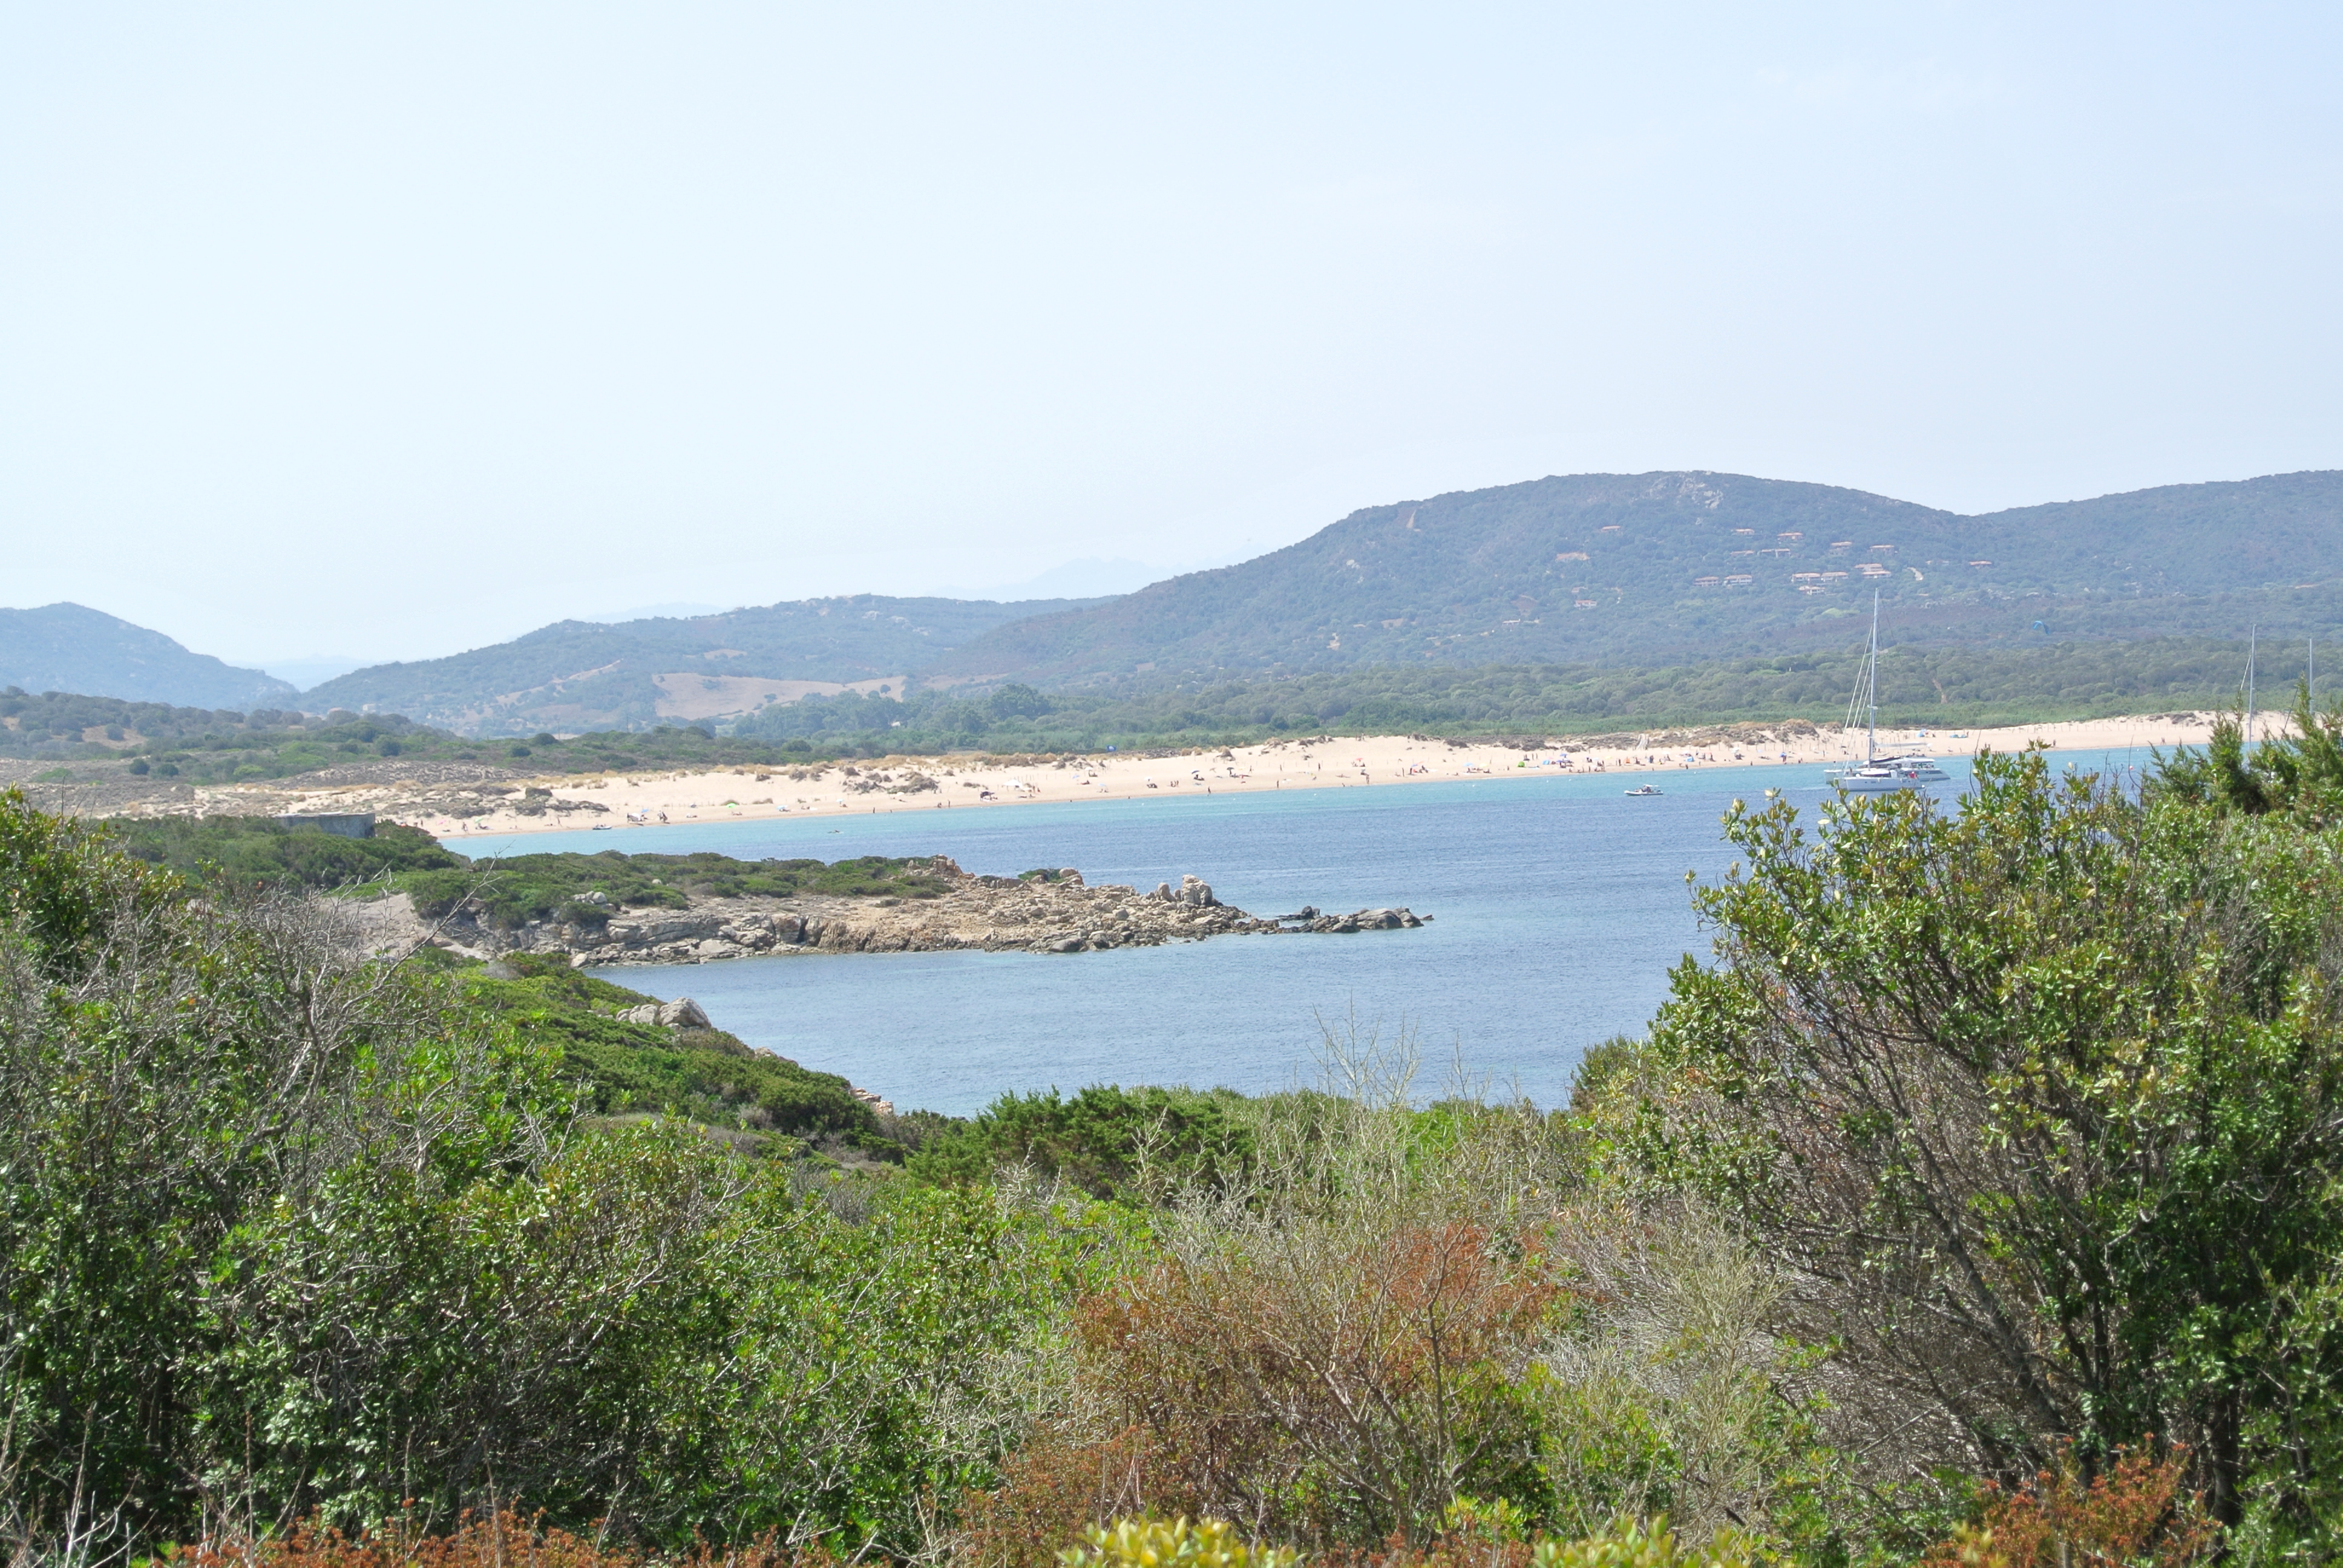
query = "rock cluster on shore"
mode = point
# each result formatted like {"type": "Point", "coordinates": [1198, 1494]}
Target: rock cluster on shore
{"type": "Point", "coordinates": [684, 1014]}
{"type": "Point", "coordinates": [1052, 912]}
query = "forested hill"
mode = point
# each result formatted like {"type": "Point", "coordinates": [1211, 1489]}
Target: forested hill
{"type": "Point", "coordinates": [71, 647]}
{"type": "Point", "coordinates": [1601, 571]}
{"type": "Point", "coordinates": [588, 675]}
{"type": "Point", "coordinates": [1616, 568]}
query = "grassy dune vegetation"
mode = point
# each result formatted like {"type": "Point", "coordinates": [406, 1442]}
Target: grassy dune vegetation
{"type": "Point", "coordinates": [1975, 1204]}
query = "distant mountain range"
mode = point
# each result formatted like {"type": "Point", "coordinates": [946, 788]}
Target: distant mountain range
{"type": "Point", "coordinates": [71, 647]}
{"type": "Point", "coordinates": [1591, 569]}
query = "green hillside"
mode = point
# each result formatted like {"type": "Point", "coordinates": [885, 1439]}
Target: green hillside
{"type": "Point", "coordinates": [2028, 683]}
{"type": "Point", "coordinates": [1627, 586]}
{"type": "Point", "coordinates": [1663, 569]}
{"type": "Point", "coordinates": [587, 675]}
{"type": "Point", "coordinates": [71, 647]}
{"type": "Point", "coordinates": [1647, 572]}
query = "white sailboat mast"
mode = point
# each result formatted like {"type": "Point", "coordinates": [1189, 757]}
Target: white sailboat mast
{"type": "Point", "coordinates": [2251, 633]}
{"type": "Point", "coordinates": [1871, 735]}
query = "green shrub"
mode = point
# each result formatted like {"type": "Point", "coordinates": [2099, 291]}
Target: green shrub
{"type": "Point", "coordinates": [1215, 1543]}
{"type": "Point", "coordinates": [1633, 1545]}
{"type": "Point", "coordinates": [253, 851]}
{"type": "Point", "coordinates": [2049, 1092]}
{"type": "Point", "coordinates": [1153, 1543]}
{"type": "Point", "coordinates": [1105, 1139]}
{"type": "Point", "coordinates": [704, 1074]}
{"type": "Point", "coordinates": [515, 890]}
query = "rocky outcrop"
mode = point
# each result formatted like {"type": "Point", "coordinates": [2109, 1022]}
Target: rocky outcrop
{"type": "Point", "coordinates": [1044, 912]}
{"type": "Point", "coordinates": [1194, 892]}
{"type": "Point", "coordinates": [682, 1013]}
{"type": "Point", "coordinates": [1311, 919]}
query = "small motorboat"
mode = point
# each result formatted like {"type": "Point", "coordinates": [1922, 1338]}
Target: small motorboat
{"type": "Point", "coordinates": [1647, 790]}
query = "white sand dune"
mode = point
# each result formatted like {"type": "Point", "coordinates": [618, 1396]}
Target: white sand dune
{"type": "Point", "coordinates": [975, 782]}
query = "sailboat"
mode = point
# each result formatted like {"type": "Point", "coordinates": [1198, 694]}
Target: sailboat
{"type": "Point", "coordinates": [1877, 775]}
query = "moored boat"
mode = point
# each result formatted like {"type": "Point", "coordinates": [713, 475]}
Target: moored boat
{"type": "Point", "coordinates": [1882, 774]}
{"type": "Point", "coordinates": [1877, 775]}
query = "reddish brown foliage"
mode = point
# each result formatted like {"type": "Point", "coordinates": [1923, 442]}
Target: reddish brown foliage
{"type": "Point", "coordinates": [1457, 1549]}
{"type": "Point", "coordinates": [2134, 1515]}
{"type": "Point", "coordinates": [1052, 1489]}
{"type": "Point", "coordinates": [1367, 1368]}
{"type": "Point", "coordinates": [500, 1540]}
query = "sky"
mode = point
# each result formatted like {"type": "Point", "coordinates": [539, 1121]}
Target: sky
{"type": "Point", "coordinates": [347, 333]}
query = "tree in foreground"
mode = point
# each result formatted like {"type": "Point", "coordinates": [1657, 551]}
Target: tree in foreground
{"type": "Point", "coordinates": [2040, 1105]}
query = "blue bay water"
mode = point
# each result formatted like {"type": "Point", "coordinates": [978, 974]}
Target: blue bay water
{"type": "Point", "coordinates": [1559, 907]}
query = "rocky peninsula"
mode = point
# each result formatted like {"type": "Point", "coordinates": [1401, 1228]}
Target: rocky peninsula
{"type": "Point", "coordinates": [1054, 911]}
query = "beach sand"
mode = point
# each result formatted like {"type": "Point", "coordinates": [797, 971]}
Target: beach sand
{"type": "Point", "coordinates": [621, 801]}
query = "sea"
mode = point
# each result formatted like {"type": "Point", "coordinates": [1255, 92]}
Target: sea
{"type": "Point", "coordinates": [1558, 906]}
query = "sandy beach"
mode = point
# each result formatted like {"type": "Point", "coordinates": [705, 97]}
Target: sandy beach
{"type": "Point", "coordinates": [622, 801]}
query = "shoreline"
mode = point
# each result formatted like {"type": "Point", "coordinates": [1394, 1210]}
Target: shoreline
{"type": "Point", "coordinates": [952, 910]}
{"type": "Point", "coordinates": [618, 801]}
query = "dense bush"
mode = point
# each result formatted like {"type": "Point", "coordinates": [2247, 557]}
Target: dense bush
{"type": "Point", "coordinates": [2135, 1512]}
{"type": "Point", "coordinates": [2043, 1100]}
{"type": "Point", "coordinates": [519, 889]}
{"type": "Point", "coordinates": [1333, 1387]}
{"type": "Point", "coordinates": [1107, 1140]}
{"type": "Point", "coordinates": [503, 1538]}
{"type": "Point", "coordinates": [253, 851]}
{"type": "Point", "coordinates": [703, 1074]}
{"type": "Point", "coordinates": [2298, 771]}
{"type": "Point", "coordinates": [283, 1230]}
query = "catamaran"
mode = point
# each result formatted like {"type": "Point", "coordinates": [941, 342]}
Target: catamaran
{"type": "Point", "coordinates": [1877, 775]}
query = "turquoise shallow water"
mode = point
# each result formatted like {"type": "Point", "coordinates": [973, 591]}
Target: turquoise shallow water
{"type": "Point", "coordinates": [1559, 907]}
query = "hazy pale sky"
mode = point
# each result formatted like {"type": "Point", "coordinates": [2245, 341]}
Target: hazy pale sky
{"type": "Point", "coordinates": [390, 330]}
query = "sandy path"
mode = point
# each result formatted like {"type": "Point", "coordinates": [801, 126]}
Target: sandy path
{"type": "Point", "coordinates": [934, 784]}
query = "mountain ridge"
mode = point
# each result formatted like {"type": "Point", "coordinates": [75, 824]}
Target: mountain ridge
{"type": "Point", "coordinates": [1602, 570]}
{"type": "Point", "coordinates": [1614, 568]}
{"type": "Point", "coordinates": [576, 675]}
{"type": "Point", "coordinates": [68, 646]}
